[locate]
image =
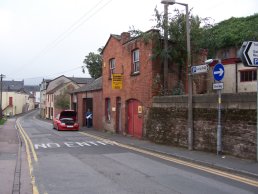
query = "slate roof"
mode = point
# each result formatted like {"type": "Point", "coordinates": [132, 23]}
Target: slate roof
{"type": "Point", "coordinates": [95, 85]}
{"type": "Point", "coordinates": [80, 80]}
{"type": "Point", "coordinates": [32, 88]}
{"type": "Point", "coordinates": [12, 85]}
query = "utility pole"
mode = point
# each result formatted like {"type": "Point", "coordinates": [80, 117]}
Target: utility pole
{"type": "Point", "coordinates": [1, 92]}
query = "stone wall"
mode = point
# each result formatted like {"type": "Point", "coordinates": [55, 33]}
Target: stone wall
{"type": "Point", "coordinates": [167, 123]}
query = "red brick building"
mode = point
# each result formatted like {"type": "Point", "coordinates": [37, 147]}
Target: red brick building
{"type": "Point", "coordinates": [89, 97]}
{"type": "Point", "coordinates": [125, 110]}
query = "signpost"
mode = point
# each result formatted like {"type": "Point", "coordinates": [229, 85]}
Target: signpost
{"type": "Point", "coordinates": [249, 57]}
{"type": "Point", "coordinates": [218, 74]}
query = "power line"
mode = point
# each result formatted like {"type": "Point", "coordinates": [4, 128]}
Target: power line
{"type": "Point", "coordinates": [49, 75]}
{"type": "Point", "coordinates": [78, 23]}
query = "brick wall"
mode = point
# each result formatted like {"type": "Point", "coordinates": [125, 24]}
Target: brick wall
{"type": "Point", "coordinates": [167, 123]}
{"type": "Point", "coordinates": [97, 108]}
{"type": "Point", "coordinates": [138, 86]}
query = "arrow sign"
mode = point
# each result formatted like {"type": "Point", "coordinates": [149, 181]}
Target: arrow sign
{"type": "Point", "coordinates": [218, 72]}
{"type": "Point", "coordinates": [251, 54]}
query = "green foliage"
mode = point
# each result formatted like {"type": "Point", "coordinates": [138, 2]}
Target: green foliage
{"type": "Point", "coordinates": [230, 33]}
{"type": "Point", "coordinates": [62, 101]}
{"type": "Point", "coordinates": [93, 64]}
{"type": "Point", "coordinates": [2, 121]}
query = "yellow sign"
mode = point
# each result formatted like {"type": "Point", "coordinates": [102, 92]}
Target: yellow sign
{"type": "Point", "coordinates": [117, 81]}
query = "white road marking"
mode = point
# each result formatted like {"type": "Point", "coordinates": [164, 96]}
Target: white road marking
{"type": "Point", "coordinates": [72, 144]}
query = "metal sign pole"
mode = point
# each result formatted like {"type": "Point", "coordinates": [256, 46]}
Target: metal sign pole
{"type": "Point", "coordinates": [219, 125]}
{"type": "Point", "coordinates": [257, 117]}
{"type": "Point", "coordinates": [218, 74]}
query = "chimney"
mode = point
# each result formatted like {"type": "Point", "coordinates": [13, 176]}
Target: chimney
{"type": "Point", "coordinates": [125, 36]}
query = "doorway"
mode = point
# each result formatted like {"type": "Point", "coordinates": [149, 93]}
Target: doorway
{"type": "Point", "coordinates": [87, 104]}
{"type": "Point", "coordinates": [118, 115]}
{"type": "Point", "coordinates": [135, 119]}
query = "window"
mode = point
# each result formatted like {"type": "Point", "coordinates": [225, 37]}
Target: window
{"type": "Point", "coordinates": [108, 109]}
{"type": "Point", "coordinates": [136, 61]}
{"type": "Point", "coordinates": [248, 75]}
{"type": "Point", "coordinates": [112, 67]}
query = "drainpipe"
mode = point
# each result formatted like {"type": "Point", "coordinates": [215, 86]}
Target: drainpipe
{"type": "Point", "coordinates": [236, 73]}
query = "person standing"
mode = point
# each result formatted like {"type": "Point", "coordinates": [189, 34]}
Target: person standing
{"type": "Point", "coordinates": [89, 118]}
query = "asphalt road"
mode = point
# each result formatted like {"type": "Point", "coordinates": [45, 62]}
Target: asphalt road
{"type": "Point", "coordinates": [75, 163]}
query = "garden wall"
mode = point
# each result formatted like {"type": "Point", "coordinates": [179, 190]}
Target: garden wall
{"type": "Point", "coordinates": [167, 123]}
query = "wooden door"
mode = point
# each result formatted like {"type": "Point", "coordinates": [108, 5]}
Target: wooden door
{"type": "Point", "coordinates": [134, 119]}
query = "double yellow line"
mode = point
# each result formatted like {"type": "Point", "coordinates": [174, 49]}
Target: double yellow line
{"type": "Point", "coordinates": [181, 162]}
{"type": "Point", "coordinates": [29, 150]}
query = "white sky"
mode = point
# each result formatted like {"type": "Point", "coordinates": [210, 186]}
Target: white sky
{"type": "Point", "coordinates": [49, 38]}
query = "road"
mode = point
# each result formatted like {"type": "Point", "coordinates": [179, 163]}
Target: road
{"type": "Point", "coordinates": [77, 163]}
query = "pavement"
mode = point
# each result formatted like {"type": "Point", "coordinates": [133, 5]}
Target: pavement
{"type": "Point", "coordinates": [14, 170]}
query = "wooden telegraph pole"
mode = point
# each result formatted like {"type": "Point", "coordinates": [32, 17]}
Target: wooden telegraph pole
{"type": "Point", "coordinates": [1, 91]}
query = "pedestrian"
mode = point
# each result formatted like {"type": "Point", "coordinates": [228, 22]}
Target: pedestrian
{"type": "Point", "coordinates": [89, 118]}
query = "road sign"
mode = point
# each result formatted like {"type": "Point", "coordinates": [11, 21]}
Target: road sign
{"type": "Point", "coordinates": [218, 86]}
{"type": "Point", "coordinates": [117, 81]}
{"type": "Point", "coordinates": [251, 54]}
{"type": "Point", "coordinates": [218, 72]}
{"type": "Point", "coordinates": [200, 69]}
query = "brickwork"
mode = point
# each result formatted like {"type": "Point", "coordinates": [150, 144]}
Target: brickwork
{"type": "Point", "coordinates": [135, 86]}
{"type": "Point", "coordinates": [97, 107]}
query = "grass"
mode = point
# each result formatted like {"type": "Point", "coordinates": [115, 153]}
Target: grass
{"type": "Point", "coordinates": [2, 121]}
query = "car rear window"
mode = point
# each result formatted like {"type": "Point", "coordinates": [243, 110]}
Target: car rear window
{"type": "Point", "coordinates": [68, 114]}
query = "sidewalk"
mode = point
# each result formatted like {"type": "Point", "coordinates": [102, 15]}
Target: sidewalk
{"type": "Point", "coordinates": [228, 163]}
{"type": "Point", "coordinates": [13, 163]}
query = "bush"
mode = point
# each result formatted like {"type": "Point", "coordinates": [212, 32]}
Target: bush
{"type": "Point", "coordinates": [2, 121]}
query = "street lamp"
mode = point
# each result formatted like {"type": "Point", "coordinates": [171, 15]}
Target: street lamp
{"type": "Point", "coordinates": [190, 89]}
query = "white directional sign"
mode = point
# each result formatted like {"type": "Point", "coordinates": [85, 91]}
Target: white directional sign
{"type": "Point", "coordinates": [200, 69]}
{"type": "Point", "coordinates": [251, 54]}
{"type": "Point", "coordinates": [218, 86]}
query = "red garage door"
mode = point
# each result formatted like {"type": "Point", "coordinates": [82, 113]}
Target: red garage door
{"type": "Point", "coordinates": [134, 119]}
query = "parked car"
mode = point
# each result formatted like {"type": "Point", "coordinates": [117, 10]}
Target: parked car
{"type": "Point", "coordinates": [66, 120]}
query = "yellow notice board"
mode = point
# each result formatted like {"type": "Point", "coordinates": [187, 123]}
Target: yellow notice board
{"type": "Point", "coordinates": [117, 81]}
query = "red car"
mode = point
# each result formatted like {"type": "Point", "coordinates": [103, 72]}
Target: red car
{"type": "Point", "coordinates": [66, 120]}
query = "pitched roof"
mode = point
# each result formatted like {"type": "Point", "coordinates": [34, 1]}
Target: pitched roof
{"type": "Point", "coordinates": [32, 88]}
{"type": "Point", "coordinates": [95, 85]}
{"type": "Point", "coordinates": [56, 88]}
{"type": "Point", "coordinates": [12, 85]}
{"type": "Point", "coordinates": [81, 80]}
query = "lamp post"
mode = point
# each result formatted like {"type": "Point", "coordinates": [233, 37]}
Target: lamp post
{"type": "Point", "coordinates": [189, 77]}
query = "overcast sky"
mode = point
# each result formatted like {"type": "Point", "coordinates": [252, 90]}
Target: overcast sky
{"type": "Point", "coordinates": [49, 38]}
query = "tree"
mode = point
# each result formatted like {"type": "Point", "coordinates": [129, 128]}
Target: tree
{"type": "Point", "coordinates": [177, 51]}
{"type": "Point", "coordinates": [93, 63]}
{"type": "Point", "coordinates": [62, 101]}
{"type": "Point", "coordinates": [230, 33]}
